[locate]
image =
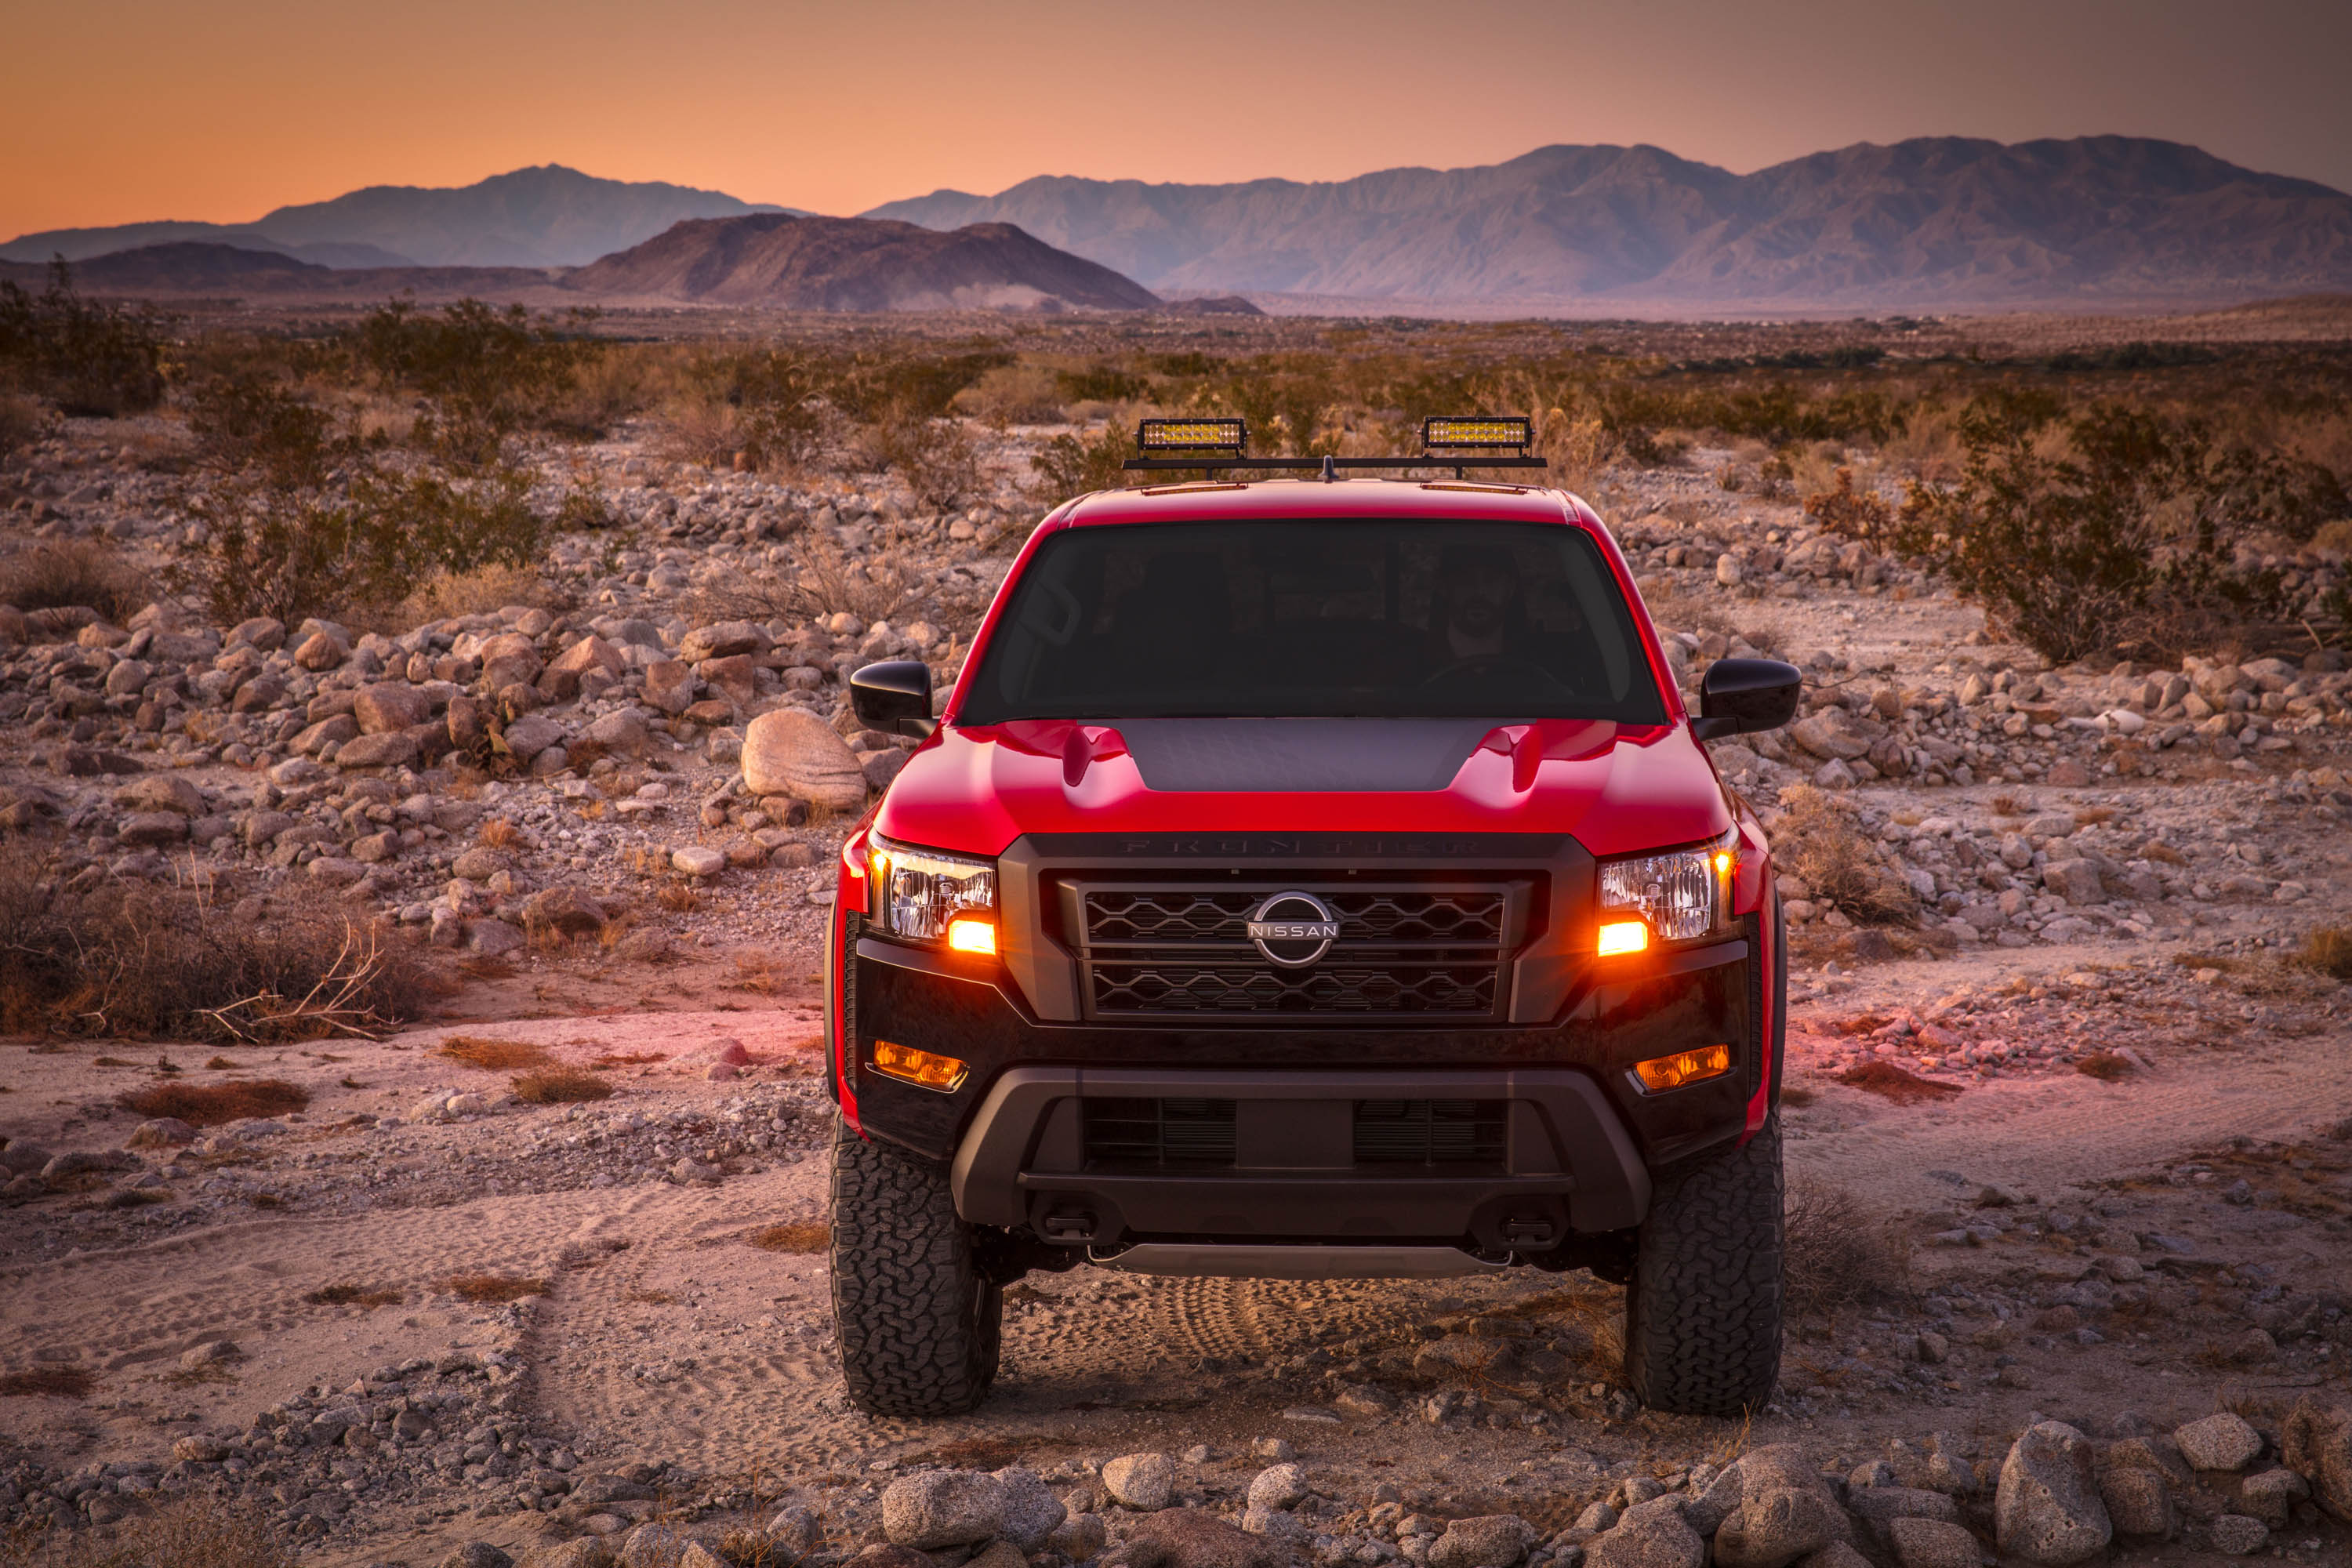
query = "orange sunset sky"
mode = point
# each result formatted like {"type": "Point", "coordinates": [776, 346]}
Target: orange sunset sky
{"type": "Point", "coordinates": [116, 110]}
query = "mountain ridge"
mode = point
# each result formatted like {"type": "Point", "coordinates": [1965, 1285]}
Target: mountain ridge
{"type": "Point", "coordinates": [1923, 222]}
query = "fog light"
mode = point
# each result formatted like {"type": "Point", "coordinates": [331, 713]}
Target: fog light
{"type": "Point", "coordinates": [1684, 1067]}
{"type": "Point", "coordinates": [920, 1068]}
{"type": "Point", "coordinates": [1623, 936]}
{"type": "Point", "coordinates": [972, 936]}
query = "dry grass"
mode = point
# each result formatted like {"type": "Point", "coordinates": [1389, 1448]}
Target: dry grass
{"type": "Point", "coordinates": [47, 1381]}
{"type": "Point", "coordinates": [353, 1296]}
{"type": "Point", "coordinates": [1891, 1081]}
{"type": "Point", "coordinates": [492, 1055]}
{"type": "Point", "coordinates": [1820, 839]}
{"type": "Point", "coordinates": [213, 1104]}
{"type": "Point", "coordinates": [222, 1064]}
{"type": "Point", "coordinates": [196, 1532]}
{"type": "Point", "coordinates": [631, 1059]}
{"type": "Point", "coordinates": [561, 1085]}
{"type": "Point", "coordinates": [1839, 1250]}
{"type": "Point", "coordinates": [75, 573]}
{"type": "Point", "coordinates": [135, 960]}
{"type": "Point", "coordinates": [802, 1237]}
{"type": "Point", "coordinates": [2107, 1066]}
{"type": "Point", "coordinates": [498, 833]}
{"type": "Point", "coordinates": [758, 971]}
{"type": "Point", "coordinates": [678, 898]}
{"type": "Point", "coordinates": [484, 590]}
{"type": "Point", "coordinates": [2328, 950]}
{"type": "Point", "coordinates": [1798, 1095]}
{"type": "Point", "coordinates": [491, 1289]}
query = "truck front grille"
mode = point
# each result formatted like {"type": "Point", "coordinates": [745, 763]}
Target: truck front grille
{"type": "Point", "coordinates": [1406, 950]}
{"type": "Point", "coordinates": [1429, 1131]}
{"type": "Point", "coordinates": [1185, 1133]}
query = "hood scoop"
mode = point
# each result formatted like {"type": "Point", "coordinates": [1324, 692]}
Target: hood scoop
{"type": "Point", "coordinates": [1189, 756]}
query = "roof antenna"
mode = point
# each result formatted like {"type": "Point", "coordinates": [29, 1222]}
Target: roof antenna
{"type": "Point", "coordinates": [1330, 470]}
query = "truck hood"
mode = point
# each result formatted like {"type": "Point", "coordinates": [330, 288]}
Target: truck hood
{"type": "Point", "coordinates": [1618, 789]}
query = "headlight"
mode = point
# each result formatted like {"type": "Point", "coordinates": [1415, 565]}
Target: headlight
{"type": "Point", "coordinates": [1680, 896]}
{"type": "Point", "coordinates": [918, 894]}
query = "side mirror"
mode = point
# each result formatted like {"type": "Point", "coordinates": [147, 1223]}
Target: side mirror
{"type": "Point", "coordinates": [1741, 696]}
{"type": "Point", "coordinates": [895, 697]}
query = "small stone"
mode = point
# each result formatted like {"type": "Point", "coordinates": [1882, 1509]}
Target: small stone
{"type": "Point", "coordinates": [1489, 1541]}
{"type": "Point", "coordinates": [2270, 1495]}
{"type": "Point", "coordinates": [1651, 1535]}
{"type": "Point", "coordinates": [1278, 1486]}
{"type": "Point", "coordinates": [493, 939]}
{"type": "Point", "coordinates": [698, 861]}
{"type": "Point", "coordinates": [2047, 1510]}
{"type": "Point", "coordinates": [211, 1353]}
{"type": "Point", "coordinates": [1931, 1543]}
{"type": "Point", "coordinates": [1145, 1482]}
{"type": "Point", "coordinates": [161, 1132]}
{"type": "Point", "coordinates": [1032, 1512]}
{"type": "Point", "coordinates": [473, 1554]}
{"type": "Point", "coordinates": [1079, 1537]}
{"type": "Point", "coordinates": [2138, 1501]}
{"type": "Point", "coordinates": [1275, 1449]}
{"type": "Point", "coordinates": [689, 1171]}
{"type": "Point", "coordinates": [1193, 1538]}
{"type": "Point", "coordinates": [2236, 1535]}
{"type": "Point", "coordinates": [2222, 1441]}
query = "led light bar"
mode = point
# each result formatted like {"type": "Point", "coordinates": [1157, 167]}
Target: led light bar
{"type": "Point", "coordinates": [1193, 436]}
{"type": "Point", "coordinates": [1482, 431]}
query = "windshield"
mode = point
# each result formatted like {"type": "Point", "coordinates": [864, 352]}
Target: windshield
{"type": "Point", "coordinates": [1315, 619]}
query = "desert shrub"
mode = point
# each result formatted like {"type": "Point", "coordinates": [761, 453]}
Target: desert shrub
{"type": "Point", "coordinates": [47, 1381]}
{"type": "Point", "coordinates": [492, 1055]}
{"type": "Point", "coordinates": [1013, 395]}
{"type": "Point", "coordinates": [1070, 466]}
{"type": "Point", "coordinates": [88, 357]}
{"type": "Point", "coordinates": [935, 454]}
{"type": "Point", "coordinates": [21, 424]}
{"type": "Point", "coordinates": [215, 1104]}
{"type": "Point", "coordinates": [1840, 1250]}
{"type": "Point", "coordinates": [74, 572]}
{"type": "Point", "coordinates": [773, 406]}
{"type": "Point", "coordinates": [1100, 383]}
{"type": "Point", "coordinates": [2328, 950]}
{"type": "Point", "coordinates": [133, 960]}
{"type": "Point", "coordinates": [446, 594]}
{"type": "Point", "coordinates": [181, 1533]}
{"type": "Point", "coordinates": [1819, 839]}
{"type": "Point", "coordinates": [485, 372]}
{"type": "Point", "coordinates": [559, 1086]}
{"type": "Point", "coordinates": [802, 1237]}
{"type": "Point", "coordinates": [2115, 530]}
{"type": "Point", "coordinates": [491, 1289]}
{"type": "Point", "coordinates": [352, 1296]}
{"type": "Point", "coordinates": [819, 581]}
{"type": "Point", "coordinates": [249, 422]}
{"type": "Point", "coordinates": [1856, 514]}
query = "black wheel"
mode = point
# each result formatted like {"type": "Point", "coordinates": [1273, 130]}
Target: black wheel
{"type": "Point", "coordinates": [1703, 1313]}
{"type": "Point", "coordinates": [918, 1320]}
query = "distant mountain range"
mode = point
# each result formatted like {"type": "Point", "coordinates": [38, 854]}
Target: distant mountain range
{"type": "Point", "coordinates": [548, 216]}
{"type": "Point", "coordinates": [767, 260]}
{"type": "Point", "coordinates": [1932, 222]}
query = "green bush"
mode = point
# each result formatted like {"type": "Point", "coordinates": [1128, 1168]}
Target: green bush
{"type": "Point", "coordinates": [2115, 530]}
{"type": "Point", "coordinates": [90, 358]}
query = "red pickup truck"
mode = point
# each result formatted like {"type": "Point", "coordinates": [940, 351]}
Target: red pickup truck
{"type": "Point", "coordinates": [1310, 877]}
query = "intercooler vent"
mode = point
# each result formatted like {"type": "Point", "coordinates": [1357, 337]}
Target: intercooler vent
{"type": "Point", "coordinates": [1186, 1134]}
{"type": "Point", "coordinates": [1429, 1131]}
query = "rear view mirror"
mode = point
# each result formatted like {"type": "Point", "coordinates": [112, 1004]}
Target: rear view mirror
{"type": "Point", "coordinates": [895, 697]}
{"type": "Point", "coordinates": [1742, 695]}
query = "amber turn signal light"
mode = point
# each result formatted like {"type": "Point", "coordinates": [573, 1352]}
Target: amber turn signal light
{"type": "Point", "coordinates": [972, 936]}
{"type": "Point", "coordinates": [920, 1068]}
{"type": "Point", "coordinates": [1683, 1067]}
{"type": "Point", "coordinates": [1623, 936]}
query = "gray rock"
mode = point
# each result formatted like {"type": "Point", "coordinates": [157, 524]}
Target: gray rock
{"type": "Point", "coordinates": [1079, 1537]}
{"type": "Point", "coordinates": [493, 939]}
{"type": "Point", "coordinates": [1146, 1482]}
{"type": "Point", "coordinates": [1931, 1543]}
{"type": "Point", "coordinates": [394, 749]}
{"type": "Point", "coordinates": [1785, 1512]}
{"type": "Point", "coordinates": [1032, 1512]}
{"type": "Point", "coordinates": [2236, 1535]}
{"type": "Point", "coordinates": [1880, 1507]}
{"type": "Point", "coordinates": [25, 1159]}
{"type": "Point", "coordinates": [2221, 1441]}
{"type": "Point", "coordinates": [794, 1533]}
{"type": "Point", "coordinates": [2047, 1511]}
{"type": "Point", "coordinates": [621, 734]}
{"type": "Point", "coordinates": [82, 1162]}
{"type": "Point", "coordinates": [2270, 1495]}
{"type": "Point", "coordinates": [659, 1546]}
{"type": "Point", "coordinates": [933, 1508]}
{"type": "Point", "coordinates": [2317, 1444]}
{"type": "Point", "coordinates": [2138, 1501]}
{"type": "Point", "coordinates": [1651, 1535]}
{"type": "Point", "coordinates": [1489, 1541]}
{"type": "Point", "coordinates": [1277, 1524]}
{"type": "Point", "coordinates": [212, 1352]}
{"type": "Point", "coordinates": [1193, 1538]}
{"type": "Point", "coordinates": [792, 751]}
{"type": "Point", "coordinates": [528, 736]}
{"type": "Point", "coordinates": [697, 861]}
{"type": "Point", "coordinates": [1278, 1486]}
{"type": "Point", "coordinates": [389, 707]}
{"type": "Point", "coordinates": [478, 1554]}
{"type": "Point", "coordinates": [588, 1552]}
{"type": "Point", "coordinates": [161, 1132]}
{"type": "Point", "coordinates": [2076, 881]}
{"type": "Point", "coordinates": [723, 641]}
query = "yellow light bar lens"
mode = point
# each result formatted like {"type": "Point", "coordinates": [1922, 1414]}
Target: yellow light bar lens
{"type": "Point", "coordinates": [920, 1068]}
{"type": "Point", "coordinates": [1191, 435]}
{"type": "Point", "coordinates": [1484, 430]}
{"type": "Point", "coordinates": [1684, 1067]}
{"type": "Point", "coordinates": [1623, 936]}
{"type": "Point", "coordinates": [972, 936]}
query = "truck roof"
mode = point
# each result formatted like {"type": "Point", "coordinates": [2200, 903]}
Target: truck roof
{"type": "Point", "coordinates": [1225, 500]}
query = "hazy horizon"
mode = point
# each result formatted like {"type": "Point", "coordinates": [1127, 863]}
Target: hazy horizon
{"type": "Point", "coordinates": [144, 112]}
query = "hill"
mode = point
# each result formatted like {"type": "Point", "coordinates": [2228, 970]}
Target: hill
{"type": "Point", "coordinates": [1935, 221]}
{"type": "Point", "coordinates": [545, 216]}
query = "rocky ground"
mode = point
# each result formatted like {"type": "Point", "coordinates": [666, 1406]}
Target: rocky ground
{"type": "Point", "coordinates": [2084, 1098]}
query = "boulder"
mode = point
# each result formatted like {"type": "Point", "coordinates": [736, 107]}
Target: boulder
{"type": "Point", "coordinates": [479, 864]}
{"type": "Point", "coordinates": [390, 705]}
{"type": "Point", "coordinates": [621, 734]}
{"type": "Point", "coordinates": [384, 751]}
{"type": "Point", "coordinates": [591, 652]}
{"type": "Point", "coordinates": [473, 1553]}
{"type": "Point", "coordinates": [2074, 880]}
{"type": "Point", "coordinates": [1032, 1512]}
{"type": "Point", "coordinates": [161, 791]}
{"type": "Point", "coordinates": [697, 859]}
{"type": "Point", "coordinates": [2222, 1441]}
{"type": "Point", "coordinates": [526, 738]}
{"type": "Point", "coordinates": [321, 650]}
{"type": "Point", "coordinates": [670, 686]}
{"type": "Point", "coordinates": [153, 828]}
{"type": "Point", "coordinates": [2238, 1535]}
{"type": "Point", "coordinates": [1489, 1541]}
{"type": "Point", "coordinates": [565, 911]}
{"type": "Point", "coordinates": [1830, 735]}
{"type": "Point", "coordinates": [1193, 1538]}
{"type": "Point", "coordinates": [161, 1132]}
{"type": "Point", "coordinates": [2317, 1444]}
{"type": "Point", "coordinates": [792, 751]}
{"type": "Point", "coordinates": [935, 1509]}
{"type": "Point", "coordinates": [588, 1552]}
{"type": "Point", "coordinates": [723, 641]}
{"type": "Point", "coordinates": [2047, 1511]}
{"type": "Point", "coordinates": [2270, 1495]}
{"type": "Point", "coordinates": [1278, 1486]}
{"type": "Point", "coordinates": [659, 1546]}
{"type": "Point", "coordinates": [2138, 1501]}
{"type": "Point", "coordinates": [1785, 1512]}
{"type": "Point", "coordinates": [492, 939]}
{"type": "Point", "coordinates": [1079, 1537]}
{"type": "Point", "coordinates": [1652, 1534]}
{"type": "Point", "coordinates": [1146, 1482]}
{"type": "Point", "coordinates": [1931, 1543]}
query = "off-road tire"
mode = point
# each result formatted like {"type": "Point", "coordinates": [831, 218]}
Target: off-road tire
{"type": "Point", "coordinates": [1703, 1313]}
{"type": "Point", "coordinates": [918, 1320]}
